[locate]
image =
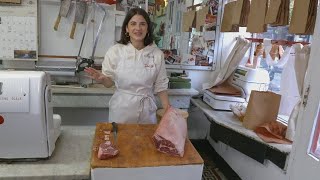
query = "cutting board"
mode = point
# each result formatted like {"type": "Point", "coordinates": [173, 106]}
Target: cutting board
{"type": "Point", "coordinates": [137, 148]}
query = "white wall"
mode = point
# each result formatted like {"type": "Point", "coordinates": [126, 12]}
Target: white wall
{"type": "Point", "coordinates": [59, 43]}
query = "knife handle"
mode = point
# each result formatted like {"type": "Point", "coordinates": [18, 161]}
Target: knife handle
{"type": "Point", "coordinates": [56, 24]}
{"type": "Point", "coordinates": [73, 30]}
{"type": "Point", "coordinates": [114, 127]}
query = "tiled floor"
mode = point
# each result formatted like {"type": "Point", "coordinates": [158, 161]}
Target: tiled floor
{"type": "Point", "coordinates": [215, 168]}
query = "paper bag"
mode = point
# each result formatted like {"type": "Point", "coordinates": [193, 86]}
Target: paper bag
{"type": "Point", "coordinates": [273, 11]}
{"type": "Point", "coordinates": [258, 10]}
{"type": "Point", "coordinates": [278, 13]}
{"type": "Point", "coordinates": [241, 12]}
{"type": "Point", "coordinates": [226, 25]}
{"type": "Point", "coordinates": [312, 17]}
{"type": "Point", "coordinates": [303, 17]}
{"type": "Point", "coordinates": [273, 132]}
{"type": "Point", "coordinates": [263, 107]}
{"type": "Point", "coordinates": [237, 12]}
{"type": "Point", "coordinates": [201, 17]}
{"type": "Point", "coordinates": [187, 20]}
{"type": "Point", "coordinates": [225, 89]}
{"type": "Point", "coordinates": [283, 15]}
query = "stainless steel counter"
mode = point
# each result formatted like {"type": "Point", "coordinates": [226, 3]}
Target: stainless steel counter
{"type": "Point", "coordinates": [70, 159]}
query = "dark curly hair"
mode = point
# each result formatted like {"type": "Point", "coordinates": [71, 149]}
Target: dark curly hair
{"type": "Point", "coordinates": [149, 37]}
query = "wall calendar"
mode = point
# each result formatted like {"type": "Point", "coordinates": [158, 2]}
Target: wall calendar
{"type": "Point", "coordinates": [19, 31]}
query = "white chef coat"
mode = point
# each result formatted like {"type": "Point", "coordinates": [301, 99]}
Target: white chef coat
{"type": "Point", "coordinates": [137, 74]}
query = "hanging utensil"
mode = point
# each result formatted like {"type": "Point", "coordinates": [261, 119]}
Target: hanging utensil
{"type": "Point", "coordinates": [81, 7]}
{"type": "Point", "coordinates": [82, 63]}
{"type": "Point", "coordinates": [63, 12]}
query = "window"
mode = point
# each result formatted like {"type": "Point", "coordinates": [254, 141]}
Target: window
{"type": "Point", "coordinates": [279, 33]}
{"type": "Point", "coordinates": [275, 72]}
{"type": "Point", "coordinates": [315, 143]}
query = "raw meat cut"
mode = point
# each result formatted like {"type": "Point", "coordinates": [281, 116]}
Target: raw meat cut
{"type": "Point", "coordinates": [107, 150]}
{"type": "Point", "coordinates": [171, 133]}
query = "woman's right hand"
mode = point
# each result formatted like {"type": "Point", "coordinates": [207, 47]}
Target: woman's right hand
{"type": "Point", "coordinates": [95, 75]}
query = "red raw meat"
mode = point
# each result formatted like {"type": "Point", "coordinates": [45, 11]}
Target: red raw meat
{"type": "Point", "coordinates": [171, 134]}
{"type": "Point", "coordinates": [107, 150]}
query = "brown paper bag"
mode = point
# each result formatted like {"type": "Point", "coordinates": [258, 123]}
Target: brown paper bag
{"type": "Point", "coordinates": [303, 17]}
{"type": "Point", "coordinates": [237, 12]}
{"type": "Point", "coordinates": [286, 13]}
{"type": "Point", "coordinates": [201, 17]}
{"type": "Point", "coordinates": [258, 10]}
{"type": "Point", "coordinates": [226, 25]}
{"type": "Point", "coordinates": [273, 11]}
{"type": "Point", "coordinates": [312, 17]}
{"type": "Point", "coordinates": [225, 89]}
{"type": "Point", "coordinates": [241, 11]}
{"type": "Point", "coordinates": [245, 13]}
{"type": "Point", "coordinates": [263, 107]}
{"type": "Point", "coordinates": [187, 20]}
{"type": "Point", "coordinates": [282, 18]}
{"type": "Point", "coordinates": [273, 132]}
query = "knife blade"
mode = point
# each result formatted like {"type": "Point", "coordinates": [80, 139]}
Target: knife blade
{"type": "Point", "coordinates": [81, 8]}
{"type": "Point", "coordinates": [115, 132]}
{"type": "Point", "coordinates": [63, 12]}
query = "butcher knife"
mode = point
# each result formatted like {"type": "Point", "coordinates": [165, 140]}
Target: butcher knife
{"type": "Point", "coordinates": [63, 12]}
{"type": "Point", "coordinates": [81, 7]}
{"type": "Point", "coordinates": [115, 131]}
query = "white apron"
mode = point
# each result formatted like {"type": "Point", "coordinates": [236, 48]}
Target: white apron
{"type": "Point", "coordinates": [134, 77]}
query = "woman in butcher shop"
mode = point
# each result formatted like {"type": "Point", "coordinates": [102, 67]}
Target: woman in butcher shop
{"type": "Point", "coordinates": [136, 67]}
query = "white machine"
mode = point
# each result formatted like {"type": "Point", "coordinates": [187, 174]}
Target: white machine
{"type": "Point", "coordinates": [28, 128]}
{"type": "Point", "coordinates": [245, 79]}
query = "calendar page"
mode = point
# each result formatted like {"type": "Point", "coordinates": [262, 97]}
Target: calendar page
{"type": "Point", "coordinates": [19, 31]}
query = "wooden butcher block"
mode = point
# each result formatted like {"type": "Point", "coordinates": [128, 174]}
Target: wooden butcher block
{"type": "Point", "coordinates": [137, 148]}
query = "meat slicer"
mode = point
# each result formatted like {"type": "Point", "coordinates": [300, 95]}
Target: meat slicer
{"type": "Point", "coordinates": [245, 79]}
{"type": "Point", "coordinates": [82, 62]}
{"type": "Point", "coordinates": [28, 127]}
